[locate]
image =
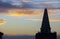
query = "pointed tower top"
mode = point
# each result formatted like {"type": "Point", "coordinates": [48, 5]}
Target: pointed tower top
{"type": "Point", "coordinates": [45, 28]}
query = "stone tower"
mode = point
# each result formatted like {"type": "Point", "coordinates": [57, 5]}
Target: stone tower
{"type": "Point", "coordinates": [45, 29]}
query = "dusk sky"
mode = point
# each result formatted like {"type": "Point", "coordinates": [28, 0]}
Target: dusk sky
{"type": "Point", "coordinates": [24, 17]}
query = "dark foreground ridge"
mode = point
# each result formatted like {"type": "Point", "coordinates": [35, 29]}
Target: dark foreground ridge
{"type": "Point", "coordinates": [1, 34]}
{"type": "Point", "coordinates": [45, 29]}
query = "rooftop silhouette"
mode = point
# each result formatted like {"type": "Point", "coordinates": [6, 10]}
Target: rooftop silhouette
{"type": "Point", "coordinates": [45, 28]}
{"type": "Point", "coordinates": [1, 34]}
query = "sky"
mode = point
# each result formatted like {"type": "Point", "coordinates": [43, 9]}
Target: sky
{"type": "Point", "coordinates": [24, 17]}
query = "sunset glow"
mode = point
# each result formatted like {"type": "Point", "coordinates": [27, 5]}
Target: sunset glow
{"type": "Point", "coordinates": [24, 17]}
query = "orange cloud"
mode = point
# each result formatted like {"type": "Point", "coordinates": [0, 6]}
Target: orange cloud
{"type": "Point", "coordinates": [23, 12]}
{"type": "Point", "coordinates": [2, 22]}
{"type": "Point", "coordinates": [55, 20]}
{"type": "Point", "coordinates": [27, 12]}
{"type": "Point", "coordinates": [16, 14]}
{"type": "Point", "coordinates": [53, 11]}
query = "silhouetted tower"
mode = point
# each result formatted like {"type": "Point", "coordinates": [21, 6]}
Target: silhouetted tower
{"type": "Point", "coordinates": [1, 34]}
{"type": "Point", "coordinates": [45, 29]}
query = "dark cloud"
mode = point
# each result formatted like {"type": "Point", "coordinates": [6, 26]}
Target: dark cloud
{"type": "Point", "coordinates": [50, 5]}
{"type": "Point", "coordinates": [6, 5]}
{"type": "Point", "coordinates": [29, 5]}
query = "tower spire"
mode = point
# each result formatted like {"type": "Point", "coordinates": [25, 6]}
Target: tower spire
{"type": "Point", "coordinates": [45, 23]}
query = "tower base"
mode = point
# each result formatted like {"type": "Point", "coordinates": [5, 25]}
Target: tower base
{"type": "Point", "coordinates": [46, 35]}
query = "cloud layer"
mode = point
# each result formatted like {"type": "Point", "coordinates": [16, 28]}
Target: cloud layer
{"type": "Point", "coordinates": [2, 22]}
{"type": "Point", "coordinates": [6, 5]}
{"type": "Point", "coordinates": [30, 4]}
{"type": "Point", "coordinates": [19, 7]}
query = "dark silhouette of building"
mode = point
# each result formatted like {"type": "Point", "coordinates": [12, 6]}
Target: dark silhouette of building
{"type": "Point", "coordinates": [1, 34]}
{"type": "Point", "coordinates": [45, 29]}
